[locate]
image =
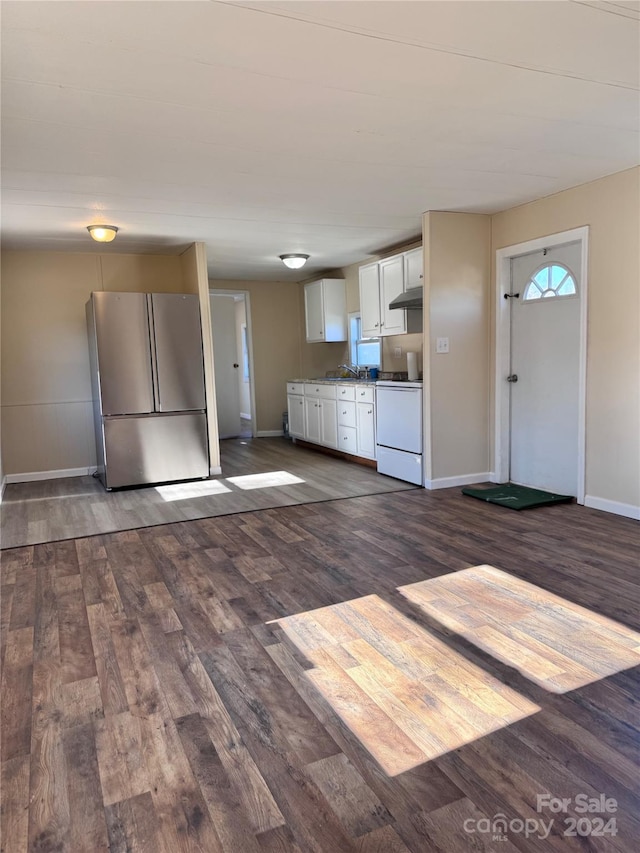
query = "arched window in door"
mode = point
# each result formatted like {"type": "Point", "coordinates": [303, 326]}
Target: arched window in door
{"type": "Point", "coordinates": [550, 280]}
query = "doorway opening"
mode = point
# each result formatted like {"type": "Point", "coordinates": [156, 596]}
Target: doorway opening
{"type": "Point", "coordinates": [541, 358]}
{"type": "Point", "coordinates": [233, 363]}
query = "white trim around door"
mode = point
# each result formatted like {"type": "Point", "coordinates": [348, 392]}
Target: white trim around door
{"type": "Point", "coordinates": [503, 347]}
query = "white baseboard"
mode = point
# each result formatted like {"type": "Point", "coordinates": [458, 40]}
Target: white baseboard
{"type": "Point", "coordinates": [245, 416]}
{"type": "Point", "coordinates": [628, 510]}
{"type": "Point", "coordinates": [30, 476]}
{"type": "Point", "coordinates": [268, 433]}
{"type": "Point", "coordinates": [463, 480]}
{"type": "Point", "coordinates": [214, 470]}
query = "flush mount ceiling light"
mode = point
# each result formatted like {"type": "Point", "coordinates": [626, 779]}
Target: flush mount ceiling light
{"type": "Point", "coordinates": [294, 262]}
{"type": "Point", "coordinates": [103, 233]}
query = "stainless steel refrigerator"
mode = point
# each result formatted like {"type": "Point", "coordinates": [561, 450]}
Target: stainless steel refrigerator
{"type": "Point", "coordinates": [148, 387]}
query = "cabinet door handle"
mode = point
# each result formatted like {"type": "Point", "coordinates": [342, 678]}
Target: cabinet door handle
{"type": "Point", "coordinates": [370, 412]}
{"type": "Point", "coordinates": [376, 325]}
{"type": "Point", "coordinates": [345, 412]}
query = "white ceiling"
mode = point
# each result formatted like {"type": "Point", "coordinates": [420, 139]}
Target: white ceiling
{"type": "Point", "coordinates": [318, 127]}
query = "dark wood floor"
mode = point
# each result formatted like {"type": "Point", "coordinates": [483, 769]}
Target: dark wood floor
{"type": "Point", "coordinates": [48, 510]}
{"type": "Point", "coordinates": [205, 686]}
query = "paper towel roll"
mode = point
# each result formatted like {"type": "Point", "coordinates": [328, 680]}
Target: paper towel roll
{"type": "Point", "coordinates": [412, 366]}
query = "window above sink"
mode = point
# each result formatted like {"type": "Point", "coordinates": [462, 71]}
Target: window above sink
{"type": "Point", "coordinates": [365, 352]}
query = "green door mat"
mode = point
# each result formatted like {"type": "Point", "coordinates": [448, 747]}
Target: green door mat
{"type": "Point", "coordinates": [516, 497]}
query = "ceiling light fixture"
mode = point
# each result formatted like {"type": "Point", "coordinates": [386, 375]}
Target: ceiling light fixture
{"type": "Point", "coordinates": [103, 233]}
{"type": "Point", "coordinates": [294, 262]}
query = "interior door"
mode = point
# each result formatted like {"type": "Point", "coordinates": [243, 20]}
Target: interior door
{"type": "Point", "coordinates": [226, 366]}
{"type": "Point", "coordinates": [545, 368]}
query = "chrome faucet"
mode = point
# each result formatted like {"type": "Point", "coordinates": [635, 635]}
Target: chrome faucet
{"type": "Point", "coordinates": [350, 369]}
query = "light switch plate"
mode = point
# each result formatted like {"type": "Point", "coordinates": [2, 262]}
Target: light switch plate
{"type": "Point", "coordinates": [397, 352]}
{"type": "Point", "coordinates": [442, 344]}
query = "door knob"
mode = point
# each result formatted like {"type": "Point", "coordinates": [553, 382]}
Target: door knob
{"type": "Point", "coordinates": [236, 365]}
{"type": "Point", "coordinates": [512, 378]}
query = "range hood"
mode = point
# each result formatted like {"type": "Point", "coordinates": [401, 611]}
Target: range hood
{"type": "Point", "coordinates": [411, 298]}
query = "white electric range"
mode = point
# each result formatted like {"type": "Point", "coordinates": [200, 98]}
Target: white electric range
{"type": "Point", "coordinates": [399, 429]}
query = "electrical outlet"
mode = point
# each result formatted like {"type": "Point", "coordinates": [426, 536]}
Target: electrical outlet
{"type": "Point", "coordinates": [442, 344]}
{"type": "Point", "coordinates": [397, 352]}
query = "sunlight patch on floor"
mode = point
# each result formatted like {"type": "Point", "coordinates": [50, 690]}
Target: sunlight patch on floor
{"type": "Point", "coordinates": [188, 491]}
{"type": "Point", "coordinates": [550, 640]}
{"type": "Point", "coordinates": [406, 695]}
{"type": "Point", "coordinates": [263, 481]}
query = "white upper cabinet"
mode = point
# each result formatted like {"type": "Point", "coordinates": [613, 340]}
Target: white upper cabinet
{"type": "Point", "coordinates": [394, 320]}
{"type": "Point", "coordinates": [325, 308]}
{"type": "Point", "coordinates": [370, 301]}
{"type": "Point", "coordinates": [380, 283]}
{"type": "Point", "coordinates": [413, 268]}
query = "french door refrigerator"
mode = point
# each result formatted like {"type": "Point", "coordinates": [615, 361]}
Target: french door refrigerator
{"type": "Point", "coordinates": [148, 388]}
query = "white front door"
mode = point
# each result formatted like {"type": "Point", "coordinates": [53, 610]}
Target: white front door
{"type": "Point", "coordinates": [545, 368]}
{"type": "Point", "coordinates": [226, 366]}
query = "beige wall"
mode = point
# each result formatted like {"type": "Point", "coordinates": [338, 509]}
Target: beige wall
{"type": "Point", "coordinates": [457, 291]}
{"type": "Point", "coordinates": [2, 480]}
{"type": "Point", "coordinates": [47, 421]}
{"type": "Point", "coordinates": [275, 327]}
{"type": "Point", "coordinates": [611, 209]}
{"type": "Point", "coordinates": [406, 343]}
{"type": "Point", "coordinates": [193, 263]}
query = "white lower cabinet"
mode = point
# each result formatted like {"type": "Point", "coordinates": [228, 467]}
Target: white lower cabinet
{"type": "Point", "coordinates": [312, 419]}
{"type": "Point", "coordinates": [321, 425]}
{"type": "Point", "coordinates": [348, 439]}
{"type": "Point", "coordinates": [328, 423]}
{"type": "Point", "coordinates": [347, 430]}
{"type": "Point", "coordinates": [341, 416]}
{"type": "Point", "coordinates": [366, 430]}
{"type": "Point", "coordinates": [295, 404]}
{"type": "Point", "coordinates": [347, 413]}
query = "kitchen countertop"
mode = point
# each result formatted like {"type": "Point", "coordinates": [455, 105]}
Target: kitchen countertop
{"type": "Point", "coordinates": [327, 381]}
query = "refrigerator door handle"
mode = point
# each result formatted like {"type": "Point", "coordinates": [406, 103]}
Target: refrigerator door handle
{"type": "Point", "coordinates": [154, 355]}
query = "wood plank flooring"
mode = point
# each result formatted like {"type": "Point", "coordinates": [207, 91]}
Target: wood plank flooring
{"type": "Point", "coordinates": [550, 640]}
{"type": "Point", "coordinates": [50, 510]}
{"type": "Point", "coordinates": [280, 680]}
{"type": "Point", "coordinates": [406, 695]}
